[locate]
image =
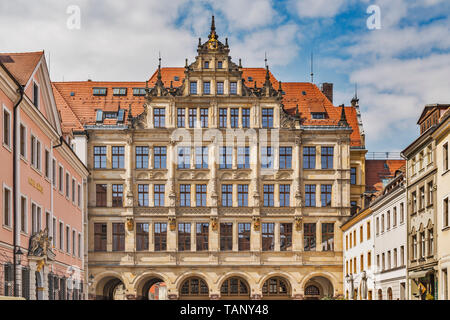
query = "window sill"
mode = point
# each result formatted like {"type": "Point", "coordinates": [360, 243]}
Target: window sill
{"type": "Point", "coordinates": [36, 170]}
{"type": "Point", "coordinates": [7, 147]}
{"type": "Point", "coordinates": [445, 172]}
{"type": "Point", "coordinates": [24, 159]}
{"type": "Point", "coordinates": [9, 228]}
{"type": "Point", "coordinates": [446, 228]}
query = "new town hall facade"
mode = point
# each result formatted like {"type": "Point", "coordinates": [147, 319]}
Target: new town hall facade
{"type": "Point", "coordinates": [215, 181]}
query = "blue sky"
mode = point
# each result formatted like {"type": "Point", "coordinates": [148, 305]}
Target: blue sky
{"type": "Point", "coordinates": [398, 68]}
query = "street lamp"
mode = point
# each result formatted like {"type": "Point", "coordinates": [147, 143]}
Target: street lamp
{"type": "Point", "coordinates": [91, 280]}
{"type": "Point", "coordinates": [19, 254]}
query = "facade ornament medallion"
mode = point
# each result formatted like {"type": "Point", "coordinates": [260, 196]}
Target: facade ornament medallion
{"type": "Point", "coordinates": [214, 224]}
{"type": "Point", "coordinates": [172, 223]}
{"type": "Point", "coordinates": [298, 223]}
{"type": "Point", "coordinates": [256, 223]}
{"type": "Point", "coordinates": [130, 224]}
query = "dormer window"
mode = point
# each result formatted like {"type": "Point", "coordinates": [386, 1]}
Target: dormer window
{"type": "Point", "coordinates": [99, 116]}
{"type": "Point", "coordinates": [219, 65]}
{"type": "Point", "coordinates": [99, 91]}
{"type": "Point", "coordinates": [109, 115]}
{"type": "Point", "coordinates": [121, 116]}
{"type": "Point", "coordinates": [250, 79]}
{"type": "Point", "coordinates": [176, 78]}
{"type": "Point", "coordinates": [120, 91]}
{"type": "Point", "coordinates": [138, 91]}
{"type": "Point", "coordinates": [318, 115]}
{"type": "Point", "coordinates": [206, 65]}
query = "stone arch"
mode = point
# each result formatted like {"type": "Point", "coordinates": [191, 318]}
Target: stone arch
{"type": "Point", "coordinates": [241, 276]}
{"type": "Point", "coordinates": [142, 176]}
{"type": "Point", "coordinates": [105, 283]}
{"type": "Point", "coordinates": [330, 277]}
{"type": "Point", "coordinates": [227, 176]}
{"type": "Point", "coordinates": [158, 176]}
{"type": "Point", "coordinates": [290, 282]}
{"type": "Point", "coordinates": [202, 288]}
{"type": "Point", "coordinates": [200, 176]}
{"type": "Point", "coordinates": [145, 281]}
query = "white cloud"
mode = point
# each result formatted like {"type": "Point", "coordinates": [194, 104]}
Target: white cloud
{"type": "Point", "coordinates": [318, 8]}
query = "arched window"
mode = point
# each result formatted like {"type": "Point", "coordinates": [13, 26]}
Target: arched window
{"type": "Point", "coordinates": [275, 287]}
{"type": "Point", "coordinates": [312, 291]}
{"type": "Point", "coordinates": [234, 287]}
{"type": "Point", "coordinates": [194, 287]}
{"type": "Point", "coordinates": [380, 294]}
{"type": "Point", "coordinates": [389, 293]}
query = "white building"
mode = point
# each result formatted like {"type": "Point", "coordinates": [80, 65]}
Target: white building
{"type": "Point", "coordinates": [390, 240]}
{"type": "Point", "coordinates": [359, 256]}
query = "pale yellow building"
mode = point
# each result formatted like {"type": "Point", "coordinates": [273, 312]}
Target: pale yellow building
{"type": "Point", "coordinates": [218, 180]}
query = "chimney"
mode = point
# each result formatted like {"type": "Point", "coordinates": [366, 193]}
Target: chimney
{"type": "Point", "coordinates": [327, 90]}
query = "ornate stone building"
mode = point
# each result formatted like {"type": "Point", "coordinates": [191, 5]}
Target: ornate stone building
{"type": "Point", "coordinates": [215, 181]}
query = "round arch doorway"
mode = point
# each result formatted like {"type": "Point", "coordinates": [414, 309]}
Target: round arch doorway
{"type": "Point", "coordinates": [317, 288]}
{"type": "Point", "coordinates": [154, 289]}
{"type": "Point", "coordinates": [110, 288]}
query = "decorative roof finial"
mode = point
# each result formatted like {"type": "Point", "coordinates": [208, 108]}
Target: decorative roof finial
{"type": "Point", "coordinates": [312, 67]}
{"type": "Point", "coordinates": [226, 42]}
{"type": "Point", "coordinates": [343, 121]}
{"type": "Point", "coordinates": [355, 99]}
{"type": "Point", "coordinates": [212, 34]}
{"type": "Point", "coordinates": [159, 66]}
{"type": "Point", "coordinates": [280, 90]}
{"type": "Point", "coordinates": [199, 42]}
{"type": "Point", "coordinates": [265, 59]}
{"type": "Point", "coordinates": [240, 63]}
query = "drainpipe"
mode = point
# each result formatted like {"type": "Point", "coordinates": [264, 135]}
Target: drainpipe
{"type": "Point", "coordinates": [21, 92]}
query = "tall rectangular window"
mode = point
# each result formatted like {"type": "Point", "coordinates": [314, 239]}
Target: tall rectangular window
{"type": "Point", "coordinates": [266, 158]}
{"type": "Point", "coordinates": [285, 191]}
{"type": "Point", "coordinates": [184, 157]}
{"type": "Point", "coordinates": [430, 242]}
{"type": "Point", "coordinates": [226, 157]}
{"type": "Point", "coordinates": [160, 236]}
{"type": "Point", "coordinates": [267, 118]}
{"type": "Point", "coordinates": [47, 164]}
{"type": "Point", "coordinates": [222, 118]}
{"type": "Point", "coordinates": [7, 207]}
{"type": "Point", "coordinates": [422, 198]}
{"type": "Point", "coordinates": [327, 236]}
{"type": "Point", "coordinates": [220, 88]}
{"type": "Point", "coordinates": [268, 239]}
{"type": "Point", "coordinates": [118, 157]}
{"type": "Point", "coordinates": [414, 201]}
{"type": "Point", "coordinates": [445, 211]}
{"type": "Point", "coordinates": [23, 141]}
{"type": "Point", "coordinates": [192, 117]}
{"type": "Point", "coordinates": [245, 118]}
{"type": "Point", "coordinates": [206, 87]}
{"type": "Point", "coordinates": [100, 157]}
{"type": "Point", "coordinates": [158, 192]}
{"type": "Point", "coordinates": [285, 236]}
{"type": "Point", "coordinates": [309, 237]}
{"type": "Point", "coordinates": [23, 214]}
{"type": "Point", "coordinates": [325, 195]}
{"type": "Point", "coordinates": [36, 95]}
{"type": "Point", "coordinates": [159, 117]}
{"type": "Point", "coordinates": [268, 190]}
{"type": "Point", "coordinates": [160, 154]}
{"type": "Point", "coordinates": [234, 117]}
{"type": "Point", "coordinates": [201, 158]}
{"type": "Point", "coordinates": [185, 195]}
{"type": "Point", "coordinates": [204, 117]}
{"type": "Point", "coordinates": [353, 175]}
{"type": "Point", "coordinates": [327, 157]}
{"type": "Point", "coordinates": [100, 192]}
{"type": "Point", "coordinates": [143, 195]}
{"type": "Point", "coordinates": [243, 157]}
{"type": "Point", "coordinates": [233, 87]}
{"type": "Point", "coordinates": [67, 239]}
{"type": "Point", "coordinates": [61, 178]}
{"type": "Point", "coordinates": [181, 117]}
{"type": "Point", "coordinates": [100, 236]}
{"type": "Point", "coordinates": [430, 193]}
{"type": "Point", "coordinates": [184, 236]}
{"type": "Point", "coordinates": [227, 195]}
{"type": "Point", "coordinates": [200, 195]}
{"type": "Point", "coordinates": [118, 236]}
{"type": "Point", "coordinates": [74, 242]}
{"type": "Point", "coordinates": [243, 195]}
{"type": "Point", "coordinates": [402, 212]}
{"type": "Point", "coordinates": [445, 156]}
{"type": "Point", "coordinates": [142, 238]}
{"type": "Point", "coordinates": [117, 195]}
{"type": "Point", "coordinates": [309, 157]}
{"type": "Point", "coordinates": [285, 157]}
{"type": "Point", "coordinates": [6, 128]}
{"type": "Point", "coordinates": [310, 195]}
{"type": "Point", "coordinates": [73, 190]}
{"type": "Point", "coordinates": [193, 87]}
{"type": "Point", "coordinates": [141, 157]}
{"type": "Point", "coordinates": [244, 236]}
{"type": "Point", "coordinates": [67, 185]}
{"type": "Point", "coordinates": [226, 236]}
{"type": "Point", "coordinates": [202, 232]}
{"type": "Point", "coordinates": [54, 173]}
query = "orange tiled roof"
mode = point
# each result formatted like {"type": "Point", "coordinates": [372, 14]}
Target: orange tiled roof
{"type": "Point", "coordinates": [21, 65]}
{"type": "Point", "coordinates": [377, 170]}
{"type": "Point", "coordinates": [306, 96]}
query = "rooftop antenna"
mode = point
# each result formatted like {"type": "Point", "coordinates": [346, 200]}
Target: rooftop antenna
{"type": "Point", "coordinates": [312, 67]}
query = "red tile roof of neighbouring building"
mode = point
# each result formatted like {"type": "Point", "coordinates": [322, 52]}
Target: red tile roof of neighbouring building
{"type": "Point", "coordinates": [21, 65]}
{"type": "Point", "coordinates": [377, 170]}
{"type": "Point", "coordinates": [307, 97]}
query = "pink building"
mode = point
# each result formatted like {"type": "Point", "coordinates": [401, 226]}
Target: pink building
{"type": "Point", "coordinates": [43, 187]}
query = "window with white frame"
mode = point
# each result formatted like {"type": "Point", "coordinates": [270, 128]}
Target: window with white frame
{"type": "Point", "coordinates": [79, 195]}
{"type": "Point", "coordinates": [67, 239]}
{"type": "Point", "coordinates": [73, 190]}
{"type": "Point", "coordinates": [54, 232]}
{"type": "Point", "coordinates": [35, 152]}
{"type": "Point", "coordinates": [23, 141]}
{"type": "Point", "coordinates": [61, 179]}
{"type": "Point", "coordinates": [23, 214]}
{"type": "Point", "coordinates": [67, 185]}
{"type": "Point", "coordinates": [54, 172]}
{"type": "Point", "coordinates": [61, 235]}
{"type": "Point", "coordinates": [79, 245]}
{"type": "Point", "coordinates": [7, 206]}
{"type": "Point", "coordinates": [6, 127]}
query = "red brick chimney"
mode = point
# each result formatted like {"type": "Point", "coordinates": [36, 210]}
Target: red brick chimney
{"type": "Point", "coordinates": [327, 90]}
